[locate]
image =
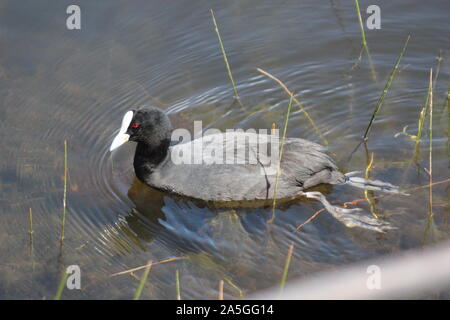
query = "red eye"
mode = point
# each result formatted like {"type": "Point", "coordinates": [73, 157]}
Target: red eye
{"type": "Point", "coordinates": [135, 125]}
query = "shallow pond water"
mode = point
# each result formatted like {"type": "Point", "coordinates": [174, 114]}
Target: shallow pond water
{"type": "Point", "coordinates": [75, 85]}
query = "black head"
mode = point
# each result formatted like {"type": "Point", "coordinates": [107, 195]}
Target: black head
{"type": "Point", "coordinates": [147, 125]}
{"type": "Point", "coordinates": [150, 126]}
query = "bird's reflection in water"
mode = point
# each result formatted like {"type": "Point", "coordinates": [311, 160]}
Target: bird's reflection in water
{"type": "Point", "coordinates": [192, 226]}
{"type": "Point", "coordinates": [182, 225]}
{"type": "Point", "coordinates": [229, 241]}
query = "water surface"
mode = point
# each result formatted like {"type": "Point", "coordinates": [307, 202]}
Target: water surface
{"type": "Point", "coordinates": [58, 85]}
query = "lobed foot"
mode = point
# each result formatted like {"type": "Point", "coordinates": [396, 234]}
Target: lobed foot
{"type": "Point", "coordinates": [351, 218]}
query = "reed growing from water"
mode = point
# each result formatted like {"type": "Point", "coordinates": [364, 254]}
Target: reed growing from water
{"type": "Point", "coordinates": [438, 67]}
{"type": "Point", "coordinates": [308, 117]}
{"type": "Point", "coordinates": [421, 124]}
{"type": "Point", "coordinates": [366, 192]}
{"type": "Point", "coordinates": [422, 115]}
{"type": "Point", "coordinates": [63, 220]}
{"type": "Point", "coordinates": [385, 90]}
{"type": "Point", "coordinates": [364, 43]}
{"type": "Point", "coordinates": [429, 220]}
{"type": "Point", "coordinates": [62, 284]}
{"type": "Point", "coordinates": [138, 293]}
{"type": "Point", "coordinates": [227, 64]}
{"type": "Point", "coordinates": [283, 139]}
{"type": "Point", "coordinates": [361, 25]}
{"type": "Point", "coordinates": [286, 267]}
{"type": "Point", "coordinates": [430, 157]}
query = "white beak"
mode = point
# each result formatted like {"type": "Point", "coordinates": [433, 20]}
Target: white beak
{"type": "Point", "coordinates": [122, 137]}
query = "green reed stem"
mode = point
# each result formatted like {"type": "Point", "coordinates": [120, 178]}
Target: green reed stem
{"type": "Point", "coordinates": [232, 284]}
{"type": "Point", "coordinates": [361, 25]}
{"type": "Point", "coordinates": [139, 289]}
{"type": "Point", "coordinates": [438, 67]}
{"type": "Point", "coordinates": [422, 117]}
{"type": "Point", "coordinates": [424, 111]}
{"type": "Point", "coordinates": [366, 192]}
{"type": "Point", "coordinates": [222, 48]}
{"type": "Point", "coordinates": [286, 267]}
{"type": "Point", "coordinates": [63, 221]}
{"type": "Point", "coordinates": [286, 121]}
{"type": "Point", "coordinates": [62, 284]}
{"type": "Point", "coordinates": [364, 42]}
{"type": "Point", "coordinates": [430, 168]}
{"type": "Point", "coordinates": [308, 117]}
{"type": "Point", "coordinates": [386, 89]}
{"type": "Point", "coordinates": [429, 221]}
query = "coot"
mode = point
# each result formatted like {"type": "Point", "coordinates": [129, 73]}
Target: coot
{"type": "Point", "coordinates": [304, 164]}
